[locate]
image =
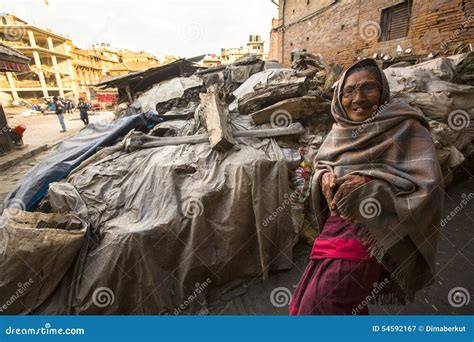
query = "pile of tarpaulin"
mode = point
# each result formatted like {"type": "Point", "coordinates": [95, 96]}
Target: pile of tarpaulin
{"type": "Point", "coordinates": [202, 179]}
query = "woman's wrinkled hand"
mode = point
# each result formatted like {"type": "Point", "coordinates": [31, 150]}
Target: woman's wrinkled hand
{"type": "Point", "coordinates": [328, 185]}
{"type": "Point", "coordinates": [346, 185]}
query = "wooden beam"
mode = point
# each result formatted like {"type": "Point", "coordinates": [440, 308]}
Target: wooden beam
{"type": "Point", "coordinates": [129, 94]}
{"type": "Point", "coordinates": [216, 118]}
{"type": "Point", "coordinates": [292, 109]}
{"type": "Point", "coordinates": [269, 94]}
{"type": "Point", "coordinates": [139, 140]}
{"type": "Point", "coordinates": [6, 144]}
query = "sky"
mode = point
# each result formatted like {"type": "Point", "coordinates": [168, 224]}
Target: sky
{"type": "Point", "coordinates": [182, 27]}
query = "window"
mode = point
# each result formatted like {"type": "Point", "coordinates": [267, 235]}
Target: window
{"type": "Point", "coordinates": [395, 21]}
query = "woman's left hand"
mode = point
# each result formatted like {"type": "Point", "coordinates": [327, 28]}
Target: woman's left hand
{"type": "Point", "coordinates": [346, 185]}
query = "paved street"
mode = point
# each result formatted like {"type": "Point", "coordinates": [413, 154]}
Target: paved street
{"type": "Point", "coordinates": [42, 130]}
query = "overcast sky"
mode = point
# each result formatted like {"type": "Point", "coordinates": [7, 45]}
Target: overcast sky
{"type": "Point", "coordinates": [182, 27]}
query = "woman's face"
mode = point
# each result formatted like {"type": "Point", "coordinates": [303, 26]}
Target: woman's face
{"type": "Point", "coordinates": [360, 95]}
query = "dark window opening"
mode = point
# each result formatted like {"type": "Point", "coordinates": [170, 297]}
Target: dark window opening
{"type": "Point", "coordinates": [395, 21]}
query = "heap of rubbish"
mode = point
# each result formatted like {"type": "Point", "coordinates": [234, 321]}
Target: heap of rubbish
{"type": "Point", "coordinates": [203, 178]}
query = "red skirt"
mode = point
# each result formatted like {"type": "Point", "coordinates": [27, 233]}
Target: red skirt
{"type": "Point", "coordinates": [335, 287]}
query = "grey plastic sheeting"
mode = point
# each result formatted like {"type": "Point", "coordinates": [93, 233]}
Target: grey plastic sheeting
{"type": "Point", "coordinates": [167, 223]}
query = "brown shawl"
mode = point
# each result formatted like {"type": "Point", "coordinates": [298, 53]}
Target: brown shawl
{"type": "Point", "coordinates": [399, 211]}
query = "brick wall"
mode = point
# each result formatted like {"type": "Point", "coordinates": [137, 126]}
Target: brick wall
{"type": "Point", "coordinates": [343, 30]}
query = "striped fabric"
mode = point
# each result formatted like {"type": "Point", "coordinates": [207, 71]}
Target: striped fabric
{"type": "Point", "coordinates": [399, 211]}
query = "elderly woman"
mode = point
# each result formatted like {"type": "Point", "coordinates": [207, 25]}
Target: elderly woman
{"type": "Point", "coordinates": [377, 196]}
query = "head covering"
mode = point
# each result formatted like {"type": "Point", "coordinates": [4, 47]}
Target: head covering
{"type": "Point", "coordinates": [337, 109]}
{"type": "Point", "coordinates": [397, 212]}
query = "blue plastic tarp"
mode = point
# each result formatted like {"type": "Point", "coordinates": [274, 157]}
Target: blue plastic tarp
{"type": "Point", "coordinates": [70, 153]}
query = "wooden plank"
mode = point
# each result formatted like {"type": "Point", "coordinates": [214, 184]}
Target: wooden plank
{"type": "Point", "coordinates": [291, 109]}
{"type": "Point", "coordinates": [6, 144]}
{"type": "Point", "coordinates": [140, 140]}
{"type": "Point", "coordinates": [270, 94]}
{"type": "Point", "coordinates": [216, 118]}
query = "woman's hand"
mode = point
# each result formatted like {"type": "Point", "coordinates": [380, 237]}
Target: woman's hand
{"type": "Point", "coordinates": [328, 184]}
{"type": "Point", "coordinates": [346, 185]}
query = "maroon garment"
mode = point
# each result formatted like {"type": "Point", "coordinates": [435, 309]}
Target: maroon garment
{"type": "Point", "coordinates": [340, 275]}
{"type": "Point", "coordinates": [335, 287]}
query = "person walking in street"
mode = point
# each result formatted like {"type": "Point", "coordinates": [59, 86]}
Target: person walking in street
{"type": "Point", "coordinates": [59, 109]}
{"type": "Point", "coordinates": [83, 107]}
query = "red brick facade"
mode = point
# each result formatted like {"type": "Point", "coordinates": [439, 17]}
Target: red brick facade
{"type": "Point", "coordinates": [342, 30]}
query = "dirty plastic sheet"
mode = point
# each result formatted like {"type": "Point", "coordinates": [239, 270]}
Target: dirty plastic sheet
{"type": "Point", "coordinates": [36, 250]}
{"type": "Point", "coordinates": [263, 77]}
{"type": "Point", "coordinates": [430, 76]}
{"type": "Point", "coordinates": [69, 154]}
{"type": "Point", "coordinates": [170, 223]}
{"type": "Point", "coordinates": [167, 90]}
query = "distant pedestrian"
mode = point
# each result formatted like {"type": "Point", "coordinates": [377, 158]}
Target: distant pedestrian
{"type": "Point", "coordinates": [68, 106]}
{"type": "Point", "coordinates": [59, 108]}
{"type": "Point", "coordinates": [83, 107]}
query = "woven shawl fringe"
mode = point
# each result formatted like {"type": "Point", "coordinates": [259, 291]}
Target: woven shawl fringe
{"type": "Point", "coordinates": [392, 295]}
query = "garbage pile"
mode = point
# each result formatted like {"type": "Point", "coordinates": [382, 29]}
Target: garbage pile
{"type": "Point", "coordinates": [439, 89]}
{"type": "Point", "coordinates": [203, 178]}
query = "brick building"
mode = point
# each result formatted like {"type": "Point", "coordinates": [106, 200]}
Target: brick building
{"type": "Point", "coordinates": [342, 30]}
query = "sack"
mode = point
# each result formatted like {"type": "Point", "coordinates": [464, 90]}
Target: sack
{"type": "Point", "coordinates": [36, 250]}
